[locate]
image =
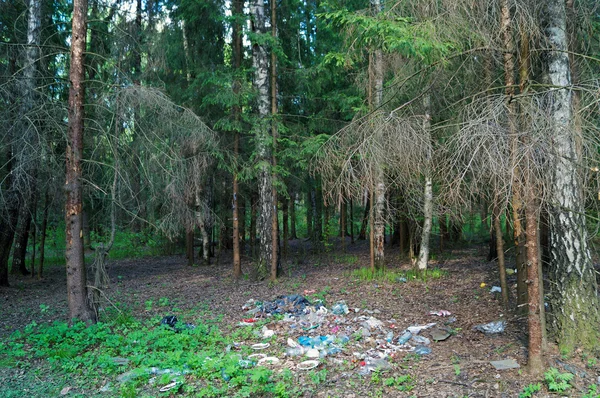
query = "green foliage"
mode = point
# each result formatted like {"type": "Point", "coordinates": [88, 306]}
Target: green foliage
{"type": "Point", "coordinates": [556, 381]}
{"type": "Point", "coordinates": [530, 390]}
{"type": "Point", "coordinates": [402, 383]}
{"type": "Point", "coordinates": [592, 392]}
{"type": "Point", "coordinates": [366, 274]}
{"type": "Point", "coordinates": [129, 352]}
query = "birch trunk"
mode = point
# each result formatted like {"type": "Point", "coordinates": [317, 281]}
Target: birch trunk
{"type": "Point", "coordinates": [427, 192]}
{"type": "Point", "coordinates": [79, 307]}
{"type": "Point", "coordinates": [576, 317]}
{"type": "Point", "coordinates": [263, 151]}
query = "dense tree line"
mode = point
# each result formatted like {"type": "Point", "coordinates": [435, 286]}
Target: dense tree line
{"type": "Point", "coordinates": [221, 122]}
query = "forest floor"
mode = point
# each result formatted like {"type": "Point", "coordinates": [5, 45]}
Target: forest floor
{"type": "Point", "coordinates": [457, 367]}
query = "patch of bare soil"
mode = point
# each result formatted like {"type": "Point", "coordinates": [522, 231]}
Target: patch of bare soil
{"type": "Point", "coordinates": [459, 366]}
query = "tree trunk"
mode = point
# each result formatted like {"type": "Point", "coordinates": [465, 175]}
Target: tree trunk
{"type": "Point", "coordinates": [379, 225]}
{"type": "Point", "coordinates": [343, 223]}
{"type": "Point", "coordinates": [79, 307]}
{"type": "Point", "coordinates": [285, 222]}
{"type": "Point", "coordinates": [428, 193]}
{"type": "Point", "coordinates": [43, 229]}
{"type": "Point", "coordinates": [189, 245]}
{"type": "Point", "coordinates": [237, 63]}
{"type": "Point", "coordinates": [362, 235]}
{"type": "Point", "coordinates": [21, 239]}
{"type": "Point", "coordinates": [351, 220]}
{"type": "Point", "coordinates": [263, 151]}
{"type": "Point", "coordinates": [274, 134]}
{"type": "Point", "coordinates": [496, 214]}
{"type": "Point", "coordinates": [535, 363]}
{"type": "Point", "coordinates": [293, 233]}
{"type": "Point", "coordinates": [576, 317]}
{"type": "Point", "coordinates": [309, 214]}
{"type": "Point", "coordinates": [253, 218]}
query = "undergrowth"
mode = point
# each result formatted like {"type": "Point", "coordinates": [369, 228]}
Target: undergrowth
{"type": "Point", "coordinates": [393, 276]}
{"type": "Point", "coordinates": [124, 356]}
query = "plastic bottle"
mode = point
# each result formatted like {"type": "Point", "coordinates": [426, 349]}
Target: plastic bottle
{"type": "Point", "coordinates": [422, 350]}
{"type": "Point", "coordinates": [343, 339]}
{"type": "Point", "coordinates": [405, 337]}
{"type": "Point", "coordinates": [389, 336]}
{"type": "Point", "coordinates": [294, 351]}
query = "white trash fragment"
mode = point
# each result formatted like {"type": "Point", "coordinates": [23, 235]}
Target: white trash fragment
{"type": "Point", "coordinates": [416, 329]}
{"type": "Point", "coordinates": [492, 327]}
{"type": "Point", "coordinates": [268, 361]}
{"type": "Point", "coordinates": [267, 333]}
{"type": "Point", "coordinates": [307, 365]}
{"type": "Point", "coordinates": [496, 289]}
{"type": "Point", "coordinates": [440, 313]}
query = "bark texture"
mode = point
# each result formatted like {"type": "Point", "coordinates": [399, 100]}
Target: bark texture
{"type": "Point", "coordinates": [263, 150]}
{"type": "Point", "coordinates": [576, 319]}
{"type": "Point", "coordinates": [237, 63]}
{"type": "Point", "coordinates": [427, 194]}
{"type": "Point", "coordinates": [380, 186]}
{"type": "Point", "coordinates": [79, 307]}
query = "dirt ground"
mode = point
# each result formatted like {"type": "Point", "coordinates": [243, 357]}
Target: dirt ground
{"type": "Point", "coordinates": [457, 367]}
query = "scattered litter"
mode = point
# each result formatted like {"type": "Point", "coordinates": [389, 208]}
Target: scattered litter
{"type": "Point", "coordinates": [294, 351]}
{"type": "Point", "coordinates": [482, 284]}
{"type": "Point", "coordinates": [65, 390]}
{"type": "Point", "coordinates": [510, 271]}
{"type": "Point", "coordinates": [440, 313]}
{"type": "Point", "coordinates": [389, 337]}
{"type": "Point", "coordinates": [373, 323]}
{"type": "Point", "coordinates": [417, 328]}
{"type": "Point", "coordinates": [374, 364]}
{"type": "Point", "coordinates": [292, 343]}
{"type": "Point", "coordinates": [250, 320]}
{"type": "Point", "coordinates": [311, 291]}
{"type": "Point", "coordinates": [245, 363]}
{"type": "Point", "coordinates": [169, 320]}
{"type": "Point", "coordinates": [401, 279]}
{"type": "Point", "coordinates": [422, 350]}
{"type": "Point", "coordinates": [438, 334]}
{"type": "Point", "coordinates": [293, 304]}
{"type": "Point", "coordinates": [505, 364]}
{"type": "Point", "coordinates": [120, 361]}
{"type": "Point", "coordinates": [421, 340]}
{"type": "Point", "coordinates": [313, 353]}
{"type": "Point", "coordinates": [169, 386]}
{"type": "Point", "coordinates": [307, 365]}
{"type": "Point", "coordinates": [268, 361]}
{"type": "Point", "coordinates": [405, 337]}
{"type": "Point", "coordinates": [136, 373]}
{"type": "Point", "coordinates": [492, 327]}
{"type": "Point", "coordinates": [340, 308]}
{"type": "Point", "coordinates": [257, 356]}
{"type": "Point", "coordinates": [267, 333]}
{"type": "Point", "coordinates": [496, 289]}
{"type": "Point", "coordinates": [260, 346]}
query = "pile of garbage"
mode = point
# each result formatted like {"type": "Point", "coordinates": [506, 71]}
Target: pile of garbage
{"type": "Point", "coordinates": [318, 332]}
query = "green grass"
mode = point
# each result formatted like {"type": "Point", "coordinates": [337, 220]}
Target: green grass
{"type": "Point", "coordinates": [124, 353]}
{"type": "Point", "coordinates": [386, 275]}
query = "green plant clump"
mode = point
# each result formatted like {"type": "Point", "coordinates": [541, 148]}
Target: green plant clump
{"type": "Point", "coordinates": [556, 381]}
{"type": "Point", "coordinates": [127, 353]}
{"type": "Point", "coordinates": [386, 275]}
{"type": "Point", "coordinates": [530, 390]}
